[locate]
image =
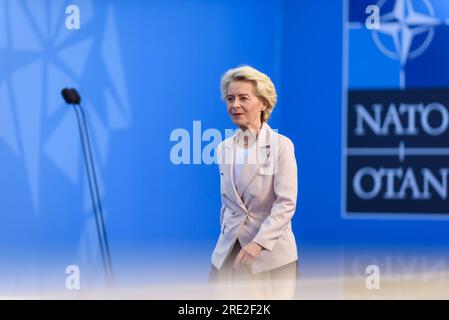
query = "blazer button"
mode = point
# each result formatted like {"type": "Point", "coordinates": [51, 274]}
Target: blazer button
{"type": "Point", "coordinates": [252, 195]}
{"type": "Point", "coordinates": [221, 172]}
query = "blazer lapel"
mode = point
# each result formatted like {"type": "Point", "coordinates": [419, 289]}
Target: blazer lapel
{"type": "Point", "coordinates": [256, 158]}
{"type": "Point", "coordinates": [228, 172]}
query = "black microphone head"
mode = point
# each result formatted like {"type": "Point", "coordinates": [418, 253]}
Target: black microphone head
{"type": "Point", "coordinates": [71, 96]}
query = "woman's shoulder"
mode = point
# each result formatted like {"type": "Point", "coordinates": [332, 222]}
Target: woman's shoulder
{"type": "Point", "coordinates": [283, 141]}
{"type": "Point", "coordinates": [225, 142]}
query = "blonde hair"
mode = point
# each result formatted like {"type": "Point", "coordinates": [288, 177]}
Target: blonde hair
{"type": "Point", "coordinates": [265, 89]}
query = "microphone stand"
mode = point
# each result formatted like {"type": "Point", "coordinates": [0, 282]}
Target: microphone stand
{"type": "Point", "coordinates": [94, 193]}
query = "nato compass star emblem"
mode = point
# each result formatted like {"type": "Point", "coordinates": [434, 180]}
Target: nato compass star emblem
{"type": "Point", "coordinates": [38, 57]}
{"type": "Point", "coordinates": [402, 25]}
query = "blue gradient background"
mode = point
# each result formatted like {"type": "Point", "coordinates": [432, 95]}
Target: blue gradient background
{"type": "Point", "coordinates": [163, 219]}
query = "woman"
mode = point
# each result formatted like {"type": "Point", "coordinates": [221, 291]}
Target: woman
{"type": "Point", "coordinates": [255, 255]}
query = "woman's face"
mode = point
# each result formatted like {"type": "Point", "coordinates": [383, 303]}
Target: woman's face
{"type": "Point", "coordinates": [243, 106]}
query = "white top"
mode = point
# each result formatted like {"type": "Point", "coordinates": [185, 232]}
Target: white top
{"type": "Point", "coordinates": [241, 156]}
{"type": "Point", "coordinates": [241, 153]}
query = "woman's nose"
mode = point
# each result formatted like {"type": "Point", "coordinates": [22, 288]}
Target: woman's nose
{"type": "Point", "coordinates": [235, 104]}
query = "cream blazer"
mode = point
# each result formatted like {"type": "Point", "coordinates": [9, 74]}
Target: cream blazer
{"type": "Point", "coordinates": [263, 209]}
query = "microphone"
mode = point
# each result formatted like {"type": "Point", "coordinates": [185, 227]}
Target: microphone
{"type": "Point", "coordinates": [72, 97]}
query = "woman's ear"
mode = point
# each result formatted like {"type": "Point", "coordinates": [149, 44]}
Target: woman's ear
{"type": "Point", "coordinates": [264, 106]}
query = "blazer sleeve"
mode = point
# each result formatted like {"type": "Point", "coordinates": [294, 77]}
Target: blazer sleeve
{"type": "Point", "coordinates": [219, 162]}
{"type": "Point", "coordinates": [285, 189]}
{"type": "Point", "coordinates": [223, 207]}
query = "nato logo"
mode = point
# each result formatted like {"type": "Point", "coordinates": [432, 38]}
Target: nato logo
{"type": "Point", "coordinates": [38, 57]}
{"type": "Point", "coordinates": [396, 108]}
